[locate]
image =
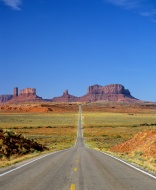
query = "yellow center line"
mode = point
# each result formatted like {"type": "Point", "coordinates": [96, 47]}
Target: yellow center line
{"type": "Point", "coordinates": [72, 187]}
{"type": "Point", "coordinates": [75, 169]}
{"type": "Point", "coordinates": [77, 161]}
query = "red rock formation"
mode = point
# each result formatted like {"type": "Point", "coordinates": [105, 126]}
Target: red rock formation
{"type": "Point", "coordinates": [15, 92]}
{"type": "Point", "coordinates": [66, 97]}
{"type": "Point", "coordinates": [113, 92]}
{"type": "Point", "coordinates": [27, 92]}
{"type": "Point", "coordinates": [26, 95]}
{"type": "Point", "coordinates": [5, 98]}
{"type": "Point", "coordinates": [109, 89]}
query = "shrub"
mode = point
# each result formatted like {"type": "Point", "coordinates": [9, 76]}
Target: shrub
{"type": "Point", "coordinates": [138, 153]}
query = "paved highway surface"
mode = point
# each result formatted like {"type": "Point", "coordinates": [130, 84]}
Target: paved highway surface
{"type": "Point", "coordinates": [77, 168]}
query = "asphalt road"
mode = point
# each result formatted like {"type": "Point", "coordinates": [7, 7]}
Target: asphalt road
{"type": "Point", "coordinates": [77, 168]}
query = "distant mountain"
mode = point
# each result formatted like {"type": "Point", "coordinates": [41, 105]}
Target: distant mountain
{"type": "Point", "coordinates": [5, 98]}
{"type": "Point", "coordinates": [66, 97]}
{"type": "Point", "coordinates": [25, 95]}
{"type": "Point", "coordinates": [112, 92]}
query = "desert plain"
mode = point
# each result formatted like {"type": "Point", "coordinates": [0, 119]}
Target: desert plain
{"type": "Point", "coordinates": [125, 130]}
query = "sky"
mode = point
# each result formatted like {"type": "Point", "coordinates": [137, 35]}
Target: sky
{"type": "Point", "coordinates": [53, 45]}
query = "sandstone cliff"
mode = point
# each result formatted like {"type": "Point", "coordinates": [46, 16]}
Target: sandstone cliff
{"type": "Point", "coordinates": [25, 95]}
{"type": "Point", "coordinates": [113, 92]}
{"type": "Point", "coordinates": [66, 97]}
{"type": "Point", "coordinates": [109, 89]}
{"type": "Point", "coordinates": [27, 92]}
{"type": "Point", "coordinates": [5, 98]}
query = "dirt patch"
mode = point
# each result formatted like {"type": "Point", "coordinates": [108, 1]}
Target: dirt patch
{"type": "Point", "coordinates": [130, 108]}
{"type": "Point", "coordinates": [38, 108]}
{"type": "Point", "coordinates": [143, 143]}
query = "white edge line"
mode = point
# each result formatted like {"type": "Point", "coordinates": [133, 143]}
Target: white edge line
{"type": "Point", "coordinates": [129, 165]}
{"type": "Point", "coordinates": [39, 157]}
{"type": "Point", "coordinates": [142, 171]}
{"type": "Point", "coordinates": [29, 162]}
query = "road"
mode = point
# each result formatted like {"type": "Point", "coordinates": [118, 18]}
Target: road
{"type": "Point", "coordinates": [77, 168]}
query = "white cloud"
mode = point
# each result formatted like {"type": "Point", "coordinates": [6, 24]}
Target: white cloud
{"type": "Point", "coordinates": [151, 15]}
{"type": "Point", "coordinates": [14, 4]}
{"type": "Point", "coordinates": [153, 20]}
{"type": "Point", "coordinates": [145, 8]}
{"type": "Point", "coordinates": [128, 4]}
{"type": "Point", "coordinates": [148, 13]}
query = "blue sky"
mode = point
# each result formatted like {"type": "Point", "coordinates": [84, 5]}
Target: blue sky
{"type": "Point", "coordinates": [53, 45]}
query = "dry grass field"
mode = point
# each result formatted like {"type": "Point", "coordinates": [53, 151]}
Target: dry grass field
{"type": "Point", "coordinates": [110, 132]}
{"type": "Point", "coordinates": [107, 127]}
{"type": "Point", "coordinates": [56, 131]}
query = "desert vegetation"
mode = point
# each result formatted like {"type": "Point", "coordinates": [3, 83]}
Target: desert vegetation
{"type": "Point", "coordinates": [54, 131]}
{"type": "Point", "coordinates": [12, 144]}
{"type": "Point", "coordinates": [117, 132]}
{"type": "Point", "coordinates": [107, 127]}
